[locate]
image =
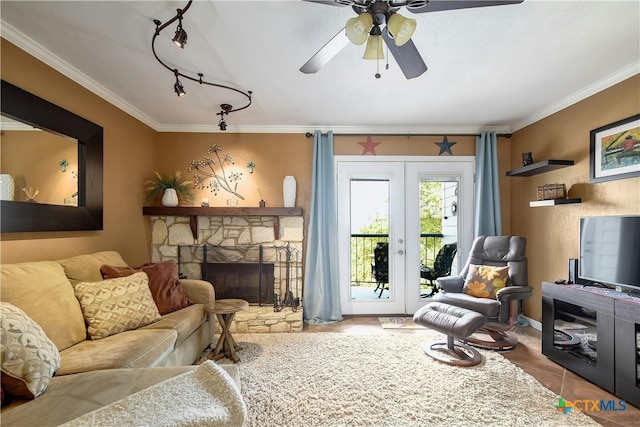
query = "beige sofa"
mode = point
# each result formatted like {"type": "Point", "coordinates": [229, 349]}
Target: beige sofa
{"type": "Point", "coordinates": [99, 371]}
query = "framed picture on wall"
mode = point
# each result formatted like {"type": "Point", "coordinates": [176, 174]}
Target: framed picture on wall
{"type": "Point", "coordinates": [615, 150]}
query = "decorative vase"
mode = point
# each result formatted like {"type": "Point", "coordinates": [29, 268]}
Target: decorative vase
{"type": "Point", "coordinates": [7, 187]}
{"type": "Point", "coordinates": [170, 197]}
{"type": "Point", "coordinates": [289, 191]}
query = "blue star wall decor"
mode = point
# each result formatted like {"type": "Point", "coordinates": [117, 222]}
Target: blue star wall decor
{"type": "Point", "coordinates": [445, 146]}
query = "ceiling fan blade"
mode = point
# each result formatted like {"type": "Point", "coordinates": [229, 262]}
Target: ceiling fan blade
{"type": "Point", "coordinates": [326, 2]}
{"type": "Point", "coordinates": [439, 5]}
{"type": "Point", "coordinates": [407, 56]}
{"type": "Point", "coordinates": [326, 53]}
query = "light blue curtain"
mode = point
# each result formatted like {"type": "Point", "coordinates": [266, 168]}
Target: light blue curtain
{"type": "Point", "coordinates": [321, 300]}
{"type": "Point", "coordinates": [487, 221]}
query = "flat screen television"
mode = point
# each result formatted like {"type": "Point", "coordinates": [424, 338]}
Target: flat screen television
{"type": "Point", "coordinates": [610, 251]}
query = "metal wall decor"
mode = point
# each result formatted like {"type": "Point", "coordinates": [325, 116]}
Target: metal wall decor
{"type": "Point", "coordinates": [180, 39]}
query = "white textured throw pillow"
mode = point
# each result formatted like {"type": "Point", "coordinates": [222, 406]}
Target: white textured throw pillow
{"type": "Point", "coordinates": [29, 357]}
{"type": "Point", "coordinates": [116, 305]}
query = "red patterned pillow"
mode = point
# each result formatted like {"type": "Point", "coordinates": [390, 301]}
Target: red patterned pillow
{"type": "Point", "coordinates": [167, 292]}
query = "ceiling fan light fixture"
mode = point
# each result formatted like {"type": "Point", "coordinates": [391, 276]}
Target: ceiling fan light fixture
{"type": "Point", "coordinates": [374, 45]}
{"type": "Point", "coordinates": [401, 28]}
{"type": "Point", "coordinates": [374, 48]}
{"type": "Point", "coordinates": [357, 28]}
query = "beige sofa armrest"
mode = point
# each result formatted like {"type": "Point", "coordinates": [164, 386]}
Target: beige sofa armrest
{"type": "Point", "coordinates": [199, 291]}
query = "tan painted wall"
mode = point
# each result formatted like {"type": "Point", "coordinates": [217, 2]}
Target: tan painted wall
{"type": "Point", "coordinates": [128, 158]}
{"type": "Point", "coordinates": [425, 146]}
{"type": "Point", "coordinates": [274, 155]}
{"type": "Point", "coordinates": [552, 232]}
{"type": "Point", "coordinates": [33, 159]}
{"type": "Point", "coordinates": [278, 155]}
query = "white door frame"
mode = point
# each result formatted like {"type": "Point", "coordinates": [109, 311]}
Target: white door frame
{"type": "Point", "coordinates": [394, 300]}
{"type": "Point", "coordinates": [460, 167]}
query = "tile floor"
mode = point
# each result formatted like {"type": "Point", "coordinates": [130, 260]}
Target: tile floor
{"type": "Point", "coordinates": [527, 355]}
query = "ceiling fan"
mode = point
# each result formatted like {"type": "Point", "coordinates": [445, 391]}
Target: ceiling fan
{"type": "Point", "coordinates": [366, 27]}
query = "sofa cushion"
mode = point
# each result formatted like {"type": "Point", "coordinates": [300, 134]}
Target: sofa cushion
{"type": "Point", "coordinates": [71, 396]}
{"type": "Point", "coordinates": [116, 305]}
{"type": "Point", "coordinates": [44, 293]}
{"type": "Point", "coordinates": [29, 357]}
{"type": "Point", "coordinates": [166, 289]}
{"type": "Point", "coordinates": [86, 268]}
{"type": "Point", "coordinates": [483, 281]}
{"type": "Point", "coordinates": [131, 349]}
{"type": "Point", "coordinates": [184, 321]}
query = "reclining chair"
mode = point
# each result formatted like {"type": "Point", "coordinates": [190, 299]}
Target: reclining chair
{"type": "Point", "coordinates": [500, 307]}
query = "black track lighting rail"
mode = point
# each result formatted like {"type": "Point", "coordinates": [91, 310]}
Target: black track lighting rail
{"type": "Point", "coordinates": [181, 39]}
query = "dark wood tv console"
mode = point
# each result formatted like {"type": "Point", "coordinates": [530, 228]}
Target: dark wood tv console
{"type": "Point", "coordinates": [594, 332]}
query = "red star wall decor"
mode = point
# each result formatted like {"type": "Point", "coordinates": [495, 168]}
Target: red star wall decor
{"type": "Point", "coordinates": [369, 146]}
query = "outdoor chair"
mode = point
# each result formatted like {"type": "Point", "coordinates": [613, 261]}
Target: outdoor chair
{"type": "Point", "coordinates": [380, 267]}
{"type": "Point", "coordinates": [441, 266]}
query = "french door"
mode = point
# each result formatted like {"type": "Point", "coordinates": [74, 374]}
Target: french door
{"type": "Point", "coordinates": [383, 245]}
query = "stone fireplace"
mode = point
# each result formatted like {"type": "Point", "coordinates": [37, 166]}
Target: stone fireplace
{"type": "Point", "coordinates": [242, 252]}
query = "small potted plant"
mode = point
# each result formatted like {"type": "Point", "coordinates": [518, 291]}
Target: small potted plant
{"type": "Point", "coordinates": [173, 189]}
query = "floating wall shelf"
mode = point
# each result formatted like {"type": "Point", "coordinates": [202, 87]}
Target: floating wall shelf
{"type": "Point", "coordinates": [553, 202]}
{"type": "Point", "coordinates": [540, 167]}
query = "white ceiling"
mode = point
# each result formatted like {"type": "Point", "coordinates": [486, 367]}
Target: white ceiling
{"type": "Point", "coordinates": [498, 68]}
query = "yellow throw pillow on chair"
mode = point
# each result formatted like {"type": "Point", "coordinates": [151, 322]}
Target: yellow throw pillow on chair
{"type": "Point", "coordinates": [483, 281]}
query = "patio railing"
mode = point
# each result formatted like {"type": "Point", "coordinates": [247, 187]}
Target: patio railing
{"type": "Point", "coordinates": [362, 246]}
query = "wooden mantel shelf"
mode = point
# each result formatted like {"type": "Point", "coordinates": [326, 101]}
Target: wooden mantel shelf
{"type": "Point", "coordinates": [220, 211]}
{"type": "Point", "coordinates": [194, 212]}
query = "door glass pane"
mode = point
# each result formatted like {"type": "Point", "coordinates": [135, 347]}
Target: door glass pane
{"type": "Point", "coordinates": [438, 232]}
{"type": "Point", "coordinates": [369, 210]}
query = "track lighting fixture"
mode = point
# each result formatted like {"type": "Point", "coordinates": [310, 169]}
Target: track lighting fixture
{"type": "Point", "coordinates": [180, 39]}
{"type": "Point", "coordinates": [224, 109]}
{"type": "Point", "coordinates": [177, 87]}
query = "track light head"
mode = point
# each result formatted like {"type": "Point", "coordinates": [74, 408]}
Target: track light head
{"type": "Point", "coordinates": [224, 109]}
{"type": "Point", "coordinates": [180, 39]}
{"type": "Point", "coordinates": [177, 87]}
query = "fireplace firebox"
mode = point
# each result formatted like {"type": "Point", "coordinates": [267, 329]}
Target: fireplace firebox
{"type": "Point", "coordinates": [260, 275]}
{"type": "Point", "coordinates": [248, 281]}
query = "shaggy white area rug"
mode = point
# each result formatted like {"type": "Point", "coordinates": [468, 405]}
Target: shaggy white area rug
{"type": "Point", "coordinates": [336, 379]}
{"type": "Point", "coordinates": [204, 397]}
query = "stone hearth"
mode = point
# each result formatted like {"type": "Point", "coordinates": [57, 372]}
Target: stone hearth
{"type": "Point", "coordinates": [173, 238]}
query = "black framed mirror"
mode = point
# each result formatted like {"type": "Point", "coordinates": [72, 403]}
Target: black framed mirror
{"type": "Point", "coordinates": [16, 216]}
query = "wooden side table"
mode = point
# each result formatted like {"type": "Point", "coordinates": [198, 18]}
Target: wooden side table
{"type": "Point", "coordinates": [225, 310]}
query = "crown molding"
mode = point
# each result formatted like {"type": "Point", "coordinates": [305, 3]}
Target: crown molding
{"type": "Point", "coordinates": [39, 52]}
{"type": "Point", "coordinates": [343, 130]}
{"type": "Point", "coordinates": [615, 78]}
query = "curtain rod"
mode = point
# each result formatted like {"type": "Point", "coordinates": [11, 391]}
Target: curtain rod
{"type": "Point", "coordinates": [408, 135]}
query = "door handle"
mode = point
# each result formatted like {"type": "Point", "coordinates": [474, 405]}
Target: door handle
{"type": "Point", "coordinates": [400, 252]}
